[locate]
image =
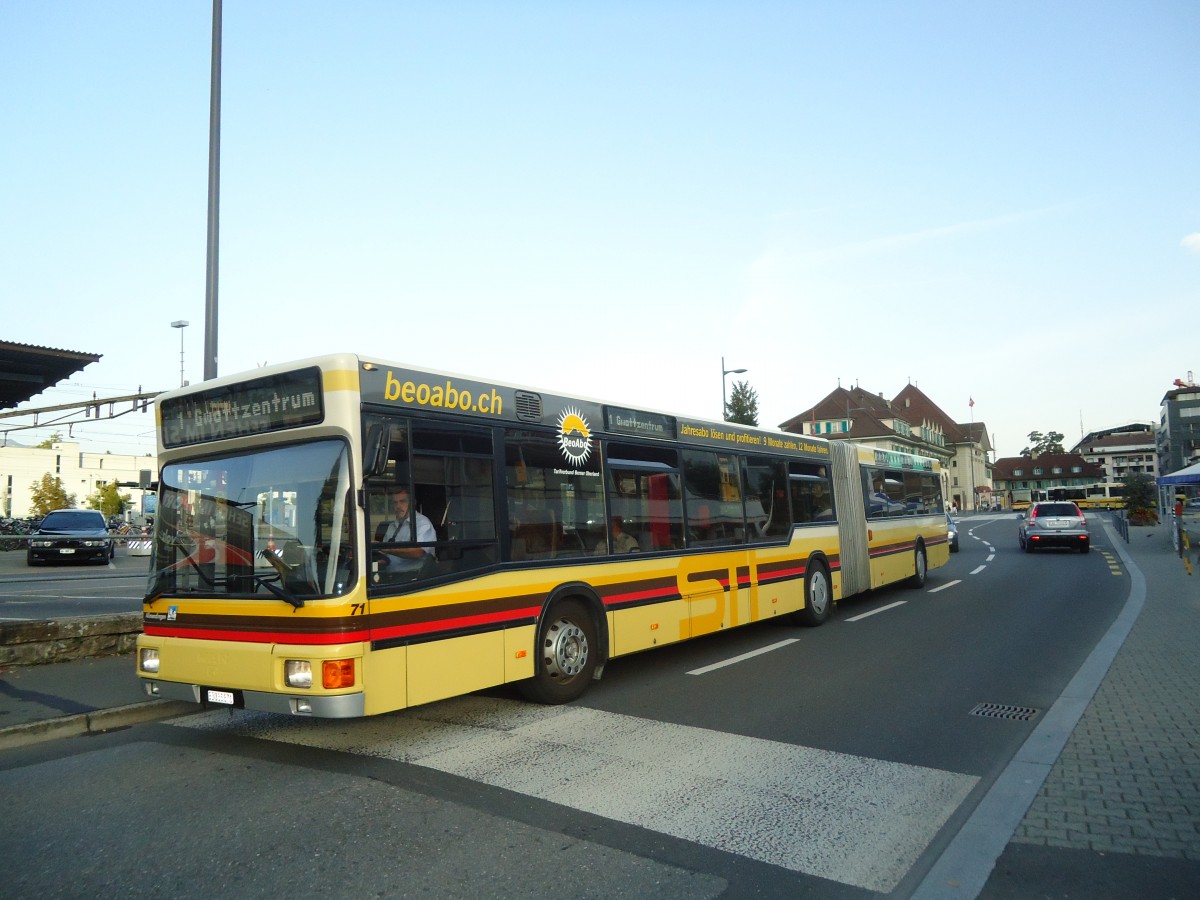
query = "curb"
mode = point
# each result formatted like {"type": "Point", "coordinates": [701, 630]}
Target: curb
{"type": "Point", "coordinates": [95, 722]}
{"type": "Point", "coordinates": [26, 643]}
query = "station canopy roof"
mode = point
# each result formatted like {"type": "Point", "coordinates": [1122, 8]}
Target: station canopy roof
{"type": "Point", "coordinates": [26, 370]}
{"type": "Point", "coordinates": [1189, 475]}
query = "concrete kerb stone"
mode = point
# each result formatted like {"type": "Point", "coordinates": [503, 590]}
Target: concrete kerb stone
{"type": "Point", "coordinates": [95, 722]}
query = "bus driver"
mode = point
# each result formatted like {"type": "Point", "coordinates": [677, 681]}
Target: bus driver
{"type": "Point", "coordinates": [401, 560]}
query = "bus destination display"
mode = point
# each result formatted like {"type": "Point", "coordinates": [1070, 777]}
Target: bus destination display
{"type": "Point", "coordinates": [271, 403]}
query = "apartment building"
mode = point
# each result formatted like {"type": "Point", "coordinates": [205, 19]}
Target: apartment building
{"type": "Point", "coordinates": [1121, 451]}
{"type": "Point", "coordinates": [1178, 434]}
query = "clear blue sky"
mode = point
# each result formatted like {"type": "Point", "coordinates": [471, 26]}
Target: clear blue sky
{"type": "Point", "coordinates": [993, 200]}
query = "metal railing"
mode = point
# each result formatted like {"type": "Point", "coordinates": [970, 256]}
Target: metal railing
{"type": "Point", "coordinates": [1120, 520]}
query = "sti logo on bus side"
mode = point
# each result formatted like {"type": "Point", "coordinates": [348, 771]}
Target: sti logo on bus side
{"type": "Point", "coordinates": [574, 435]}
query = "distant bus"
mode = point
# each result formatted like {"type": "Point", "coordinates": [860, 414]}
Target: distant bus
{"type": "Point", "coordinates": [343, 537]}
{"type": "Point", "coordinates": [1021, 498]}
{"type": "Point", "coordinates": [1106, 495]}
{"type": "Point", "coordinates": [1092, 496]}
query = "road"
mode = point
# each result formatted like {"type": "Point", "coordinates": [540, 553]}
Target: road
{"type": "Point", "coordinates": [769, 761]}
{"type": "Point", "coordinates": [33, 593]}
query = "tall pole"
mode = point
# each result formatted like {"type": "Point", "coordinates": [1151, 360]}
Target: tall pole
{"type": "Point", "coordinates": [972, 446]}
{"type": "Point", "coordinates": [724, 372]}
{"type": "Point", "coordinates": [214, 199]}
{"type": "Point", "coordinates": [180, 324]}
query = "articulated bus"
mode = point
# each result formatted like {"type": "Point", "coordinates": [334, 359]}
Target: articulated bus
{"type": "Point", "coordinates": [343, 537]}
{"type": "Point", "coordinates": [1022, 498]}
{"type": "Point", "coordinates": [1092, 496]}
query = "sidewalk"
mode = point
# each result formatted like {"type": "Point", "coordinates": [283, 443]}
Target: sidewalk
{"type": "Point", "coordinates": [1117, 812]}
{"type": "Point", "coordinates": [68, 699]}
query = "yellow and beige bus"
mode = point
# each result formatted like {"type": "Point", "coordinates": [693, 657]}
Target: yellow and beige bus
{"type": "Point", "coordinates": [1102, 495]}
{"type": "Point", "coordinates": [344, 536]}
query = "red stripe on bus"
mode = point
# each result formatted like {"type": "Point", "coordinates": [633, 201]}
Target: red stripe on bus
{"type": "Point", "coordinates": [255, 637]}
{"type": "Point", "coordinates": [455, 624]}
{"type": "Point", "coordinates": [664, 593]}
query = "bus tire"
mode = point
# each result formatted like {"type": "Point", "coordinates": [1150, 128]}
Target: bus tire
{"type": "Point", "coordinates": [818, 596]}
{"type": "Point", "coordinates": [566, 655]}
{"type": "Point", "coordinates": [920, 567]}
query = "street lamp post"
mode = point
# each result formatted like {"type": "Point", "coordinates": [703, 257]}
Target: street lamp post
{"type": "Point", "coordinates": [724, 372]}
{"type": "Point", "coordinates": [180, 324]}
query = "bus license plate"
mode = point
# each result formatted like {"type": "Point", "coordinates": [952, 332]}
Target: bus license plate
{"type": "Point", "coordinates": [225, 698]}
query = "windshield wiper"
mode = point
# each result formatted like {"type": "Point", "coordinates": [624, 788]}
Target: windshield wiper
{"type": "Point", "coordinates": [270, 582]}
{"type": "Point", "coordinates": [283, 570]}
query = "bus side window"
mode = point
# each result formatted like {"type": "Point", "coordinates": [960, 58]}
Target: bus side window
{"type": "Point", "coordinates": [766, 498]}
{"type": "Point", "coordinates": [645, 492]}
{"type": "Point", "coordinates": [714, 498]}
{"type": "Point", "coordinates": [812, 496]}
{"type": "Point", "coordinates": [452, 468]}
{"type": "Point", "coordinates": [552, 512]}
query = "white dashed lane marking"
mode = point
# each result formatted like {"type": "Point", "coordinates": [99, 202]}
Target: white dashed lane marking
{"type": "Point", "coordinates": [703, 670]}
{"type": "Point", "coordinates": [948, 584]}
{"type": "Point", "coordinates": [858, 821]}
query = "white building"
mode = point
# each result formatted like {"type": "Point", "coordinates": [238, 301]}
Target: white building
{"type": "Point", "coordinates": [82, 474]}
{"type": "Point", "coordinates": [1120, 451]}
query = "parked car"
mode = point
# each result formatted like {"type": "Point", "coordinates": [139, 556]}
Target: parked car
{"type": "Point", "coordinates": [1055, 523]}
{"type": "Point", "coordinates": [952, 533]}
{"type": "Point", "coordinates": [71, 535]}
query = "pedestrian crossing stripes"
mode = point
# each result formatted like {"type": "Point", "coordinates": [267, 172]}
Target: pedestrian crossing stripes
{"type": "Point", "coordinates": [858, 821]}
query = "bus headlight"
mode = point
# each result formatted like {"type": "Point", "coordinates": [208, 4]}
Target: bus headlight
{"type": "Point", "coordinates": [297, 673]}
{"type": "Point", "coordinates": [148, 660]}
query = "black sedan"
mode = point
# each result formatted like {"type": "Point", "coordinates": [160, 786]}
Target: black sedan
{"type": "Point", "coordinates": [71, 535]}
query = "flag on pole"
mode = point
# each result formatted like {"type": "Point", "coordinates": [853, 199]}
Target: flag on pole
{"type": "Point", "coordinates": [972, 402]}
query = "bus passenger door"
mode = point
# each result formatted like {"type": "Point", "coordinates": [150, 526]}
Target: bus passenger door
{"type": "Point", "coordinates": [717, 590]}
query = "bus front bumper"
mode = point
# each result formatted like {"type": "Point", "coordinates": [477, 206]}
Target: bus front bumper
{"type": "Point", "coordinates": [338, 706]}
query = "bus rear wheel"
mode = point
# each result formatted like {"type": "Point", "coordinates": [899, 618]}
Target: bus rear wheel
{"type": "Point", "coordinates": [921, 569]}
{"type": "Point", "coordinates": [818, 597]}
{"type": "Point", "coordinates": [566, 654]}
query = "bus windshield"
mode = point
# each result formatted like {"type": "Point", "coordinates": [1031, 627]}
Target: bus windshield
{"type": "Point", "coordinates": [271, 521]}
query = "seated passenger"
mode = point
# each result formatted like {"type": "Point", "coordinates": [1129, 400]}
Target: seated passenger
{"type": "Point", "coordinates": [622, 541]}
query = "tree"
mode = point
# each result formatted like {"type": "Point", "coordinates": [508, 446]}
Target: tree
{"type": "Point", "coordinates": [49, 494]}
{"type": "Point", "coordinates": [1043, 443]}
{"type": "Point", "coordinates": [50, 441]}
{"type": "Point", "coordinates": [109, 500]}
{"type": "Point", "coordinates": [1139, 498]}
{"type": "Point", "coordinates": [743, 404]}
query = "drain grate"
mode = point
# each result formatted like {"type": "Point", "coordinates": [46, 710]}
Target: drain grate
{"type": "Point", "coordinates": [1002, 711]}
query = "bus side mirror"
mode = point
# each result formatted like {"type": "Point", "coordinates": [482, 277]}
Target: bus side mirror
{"type": "Point", "coordinates": [375, 454]}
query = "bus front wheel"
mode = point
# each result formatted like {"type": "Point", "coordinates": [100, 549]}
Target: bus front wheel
{"type": "Point", "coordinates": [921, 569]}
{"type": "Point", "coordinates": [565, 655]}
{"type": "Point", "coordinates": [818, 597]}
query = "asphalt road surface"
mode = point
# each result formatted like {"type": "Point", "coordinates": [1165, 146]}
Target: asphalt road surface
{"type": "Point", "coordinates": [768, 761]}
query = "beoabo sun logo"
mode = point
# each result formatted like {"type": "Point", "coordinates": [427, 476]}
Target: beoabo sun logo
{"type": "Point", "coordinates": [574, 435]}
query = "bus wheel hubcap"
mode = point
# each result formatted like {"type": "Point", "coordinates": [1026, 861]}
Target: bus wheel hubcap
{"type": "Point", "coordinates": [566, 649]}
{"type": "Point", "coordinates": [819, 598]}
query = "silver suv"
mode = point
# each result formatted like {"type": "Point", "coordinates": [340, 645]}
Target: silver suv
{"type": "Point", "coordinates": [1057, 523]}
